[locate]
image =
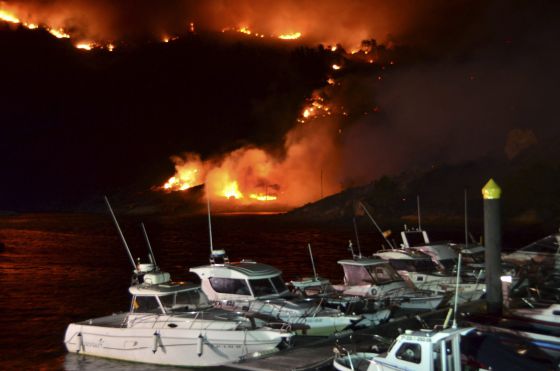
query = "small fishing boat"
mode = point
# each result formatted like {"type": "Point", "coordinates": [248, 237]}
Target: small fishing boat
{"type": "Point", "coordinates": [376, 278]}
{"type": "Point", "coordinates": [259, 289]}
{"type": "Point", "coordinates": [423, 350]}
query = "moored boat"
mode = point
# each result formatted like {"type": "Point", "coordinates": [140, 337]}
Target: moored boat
{"type": "Point", "coordinates": [419, 269]}
{"type": "Point", "coordinates": [173, 324]}
{"type": "Point", "coordinates": [375, 278]}
{"type": "Point", "coordinates": [258, 288]}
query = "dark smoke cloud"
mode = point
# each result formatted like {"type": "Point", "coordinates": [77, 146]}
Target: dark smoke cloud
{"type": "Point", "coordinates": [463, 106]}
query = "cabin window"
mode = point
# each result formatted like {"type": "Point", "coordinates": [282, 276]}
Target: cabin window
{"type": "Point", "coordinates": [185, 300]}
{"type": "Point", "coordinates": [448, 264]}
{"type": "Point", "coordinates": [415, 239]}
{"type": "Point", "coordinates": [229, 286]}
{"type": "Point", "coordinates": [145, 304]}
{"type": "Point", "coordinates": [384, 273]}
{"type": "Point", "coordinates": [262, 287]}
{"type": "Point", "coordinates": [279, 285]}
{"type": "Point", "coordinates": [356, 275]}
{"type": "Point", "coordinates": [410, 352]}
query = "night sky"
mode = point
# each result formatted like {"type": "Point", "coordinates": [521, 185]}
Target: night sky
{"type": "Point", "coordinates": [448, 84]}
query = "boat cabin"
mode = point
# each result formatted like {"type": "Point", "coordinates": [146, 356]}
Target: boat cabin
{"type": "Point", "coordinates": [408, 260]}
{"type": "Point", "coordinates": [364, 271]}
{"type": "Point", "coordinates": [441, 252]}
{"type": "Point", "coordinates": [245, 280]}
{"type": "Point", "coordinates": [167, 297]}
{"type": "Point", "coordinates": [544, 251]}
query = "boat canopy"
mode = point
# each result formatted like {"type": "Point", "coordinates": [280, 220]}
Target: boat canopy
{"type": "Point", "coordinates": [243, 278]}
{"type": "Point", "coordinates": [166, 298]}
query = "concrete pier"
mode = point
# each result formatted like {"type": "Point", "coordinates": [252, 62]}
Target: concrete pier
{"type": "Point", "coordinates": [493, 246]}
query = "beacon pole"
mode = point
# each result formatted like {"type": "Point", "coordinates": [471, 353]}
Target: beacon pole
{"type": "Point", "coordinates": [493, 246]}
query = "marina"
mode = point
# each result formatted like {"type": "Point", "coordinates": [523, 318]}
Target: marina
{"type": "Point", "coordinates": [279, 185]}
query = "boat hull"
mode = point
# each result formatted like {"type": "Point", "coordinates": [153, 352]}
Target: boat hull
{"type": "Point", "coordinates": [170, 346]}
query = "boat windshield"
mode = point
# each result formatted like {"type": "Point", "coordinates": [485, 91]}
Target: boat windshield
{"type": "Point", "coordinates": [548, 245]}
{"type": "Point", "coordinates": [279, 284]}
{"type": "Point", "coordinates": [234, 286]}
{"type": "Point", "coordinates": [185, 300]}
{"type": "Point", "coordinates": [262, 287]}
{"type": "Point", "coordinates": [383, 273]}
{"type": "Point", "coordinates": [357, 275]}
{"type": "Point", "coordinates": [415, 238]}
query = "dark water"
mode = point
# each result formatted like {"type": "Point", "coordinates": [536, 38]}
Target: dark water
{"type": "Point", "coordinates": [61, 268]}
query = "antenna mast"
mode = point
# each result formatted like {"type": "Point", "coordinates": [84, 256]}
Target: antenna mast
{"type": "Point", "coordinates": [120, 232]}
{"type": "Point", "coordinates": [357, 238]}
{"type": "Point", "coordinates": [466, 222]}
{"type": "Point", "coordinates": [376, 226]}
{"type": "Point", "coordinates": [456, 293]}
{"type": "Point", "coordinates": [312, 261]}
{"type": "Point", "coordinates": [152, 256]}
{"type": "Point", "coordinates": [210, 226]}
{"type": "Point", "coordinates": [418, 209]}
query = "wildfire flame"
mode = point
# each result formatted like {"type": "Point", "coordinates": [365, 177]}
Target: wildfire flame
{"type": "Point", "coordinates": [85, 46]}
{"type": "Point", "coordinates": [247, 31]}
{"type": "Point", "coordinates": [231, 190]}
{"type": "Point", "coordinates": [8, 17]}
{"type": "Point", "coordinates": [59, 34]}
{"type": "Point", "coordinates": [220, 179]}
{"type": "Point", "coordinates": [290, 36]}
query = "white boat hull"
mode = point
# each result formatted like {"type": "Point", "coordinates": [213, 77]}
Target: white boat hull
{"type": "Point", "coordinates": [170, 346]}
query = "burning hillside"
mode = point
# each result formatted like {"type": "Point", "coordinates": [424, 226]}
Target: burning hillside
{"type": "Point", "coordinates": [265, 114]}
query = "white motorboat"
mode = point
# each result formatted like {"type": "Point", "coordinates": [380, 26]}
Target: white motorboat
{"type": "Point", "coordinates": [376, 278]}
{"type": "Point", "coordinates": [259, 288]}
{"type": "Point", "coordinates": [419, 269]}
{"type": "Point", "coordinates": [423, 350]}
{"type": "Point", "coordinates": [444, 254]}
{"type": "Point", "coordinates": [545, 252]}
{"type": "Point", "coordinates": [173, 323]}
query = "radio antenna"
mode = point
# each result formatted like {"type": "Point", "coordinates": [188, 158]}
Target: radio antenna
{"type": "Point", "coordinates": [152, 256]}
{"type": "Point", "coordinates": [120, 232]}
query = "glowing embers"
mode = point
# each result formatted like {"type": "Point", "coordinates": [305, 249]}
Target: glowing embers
{"type": "Point", "coordinates": [316, 108]}
{"type": "Point", "coordinates": [247, 31]}
{"type": "Point", "coordinates": [244, 30]}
